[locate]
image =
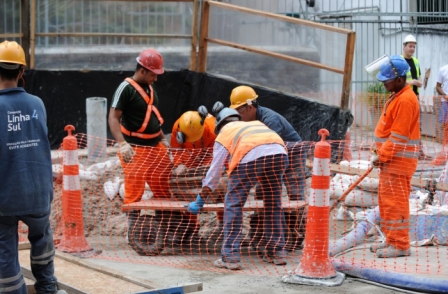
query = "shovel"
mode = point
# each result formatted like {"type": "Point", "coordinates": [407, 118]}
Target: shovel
{"type": "Point", "coordinates": [352, 186]}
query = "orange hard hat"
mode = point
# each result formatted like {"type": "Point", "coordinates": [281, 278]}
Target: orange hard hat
{"type": "Point", "coordinates": [241, 95]}
{"type": "Point", "coordinates": [12, 52]}
{"type": "Point", "coordinates": [151, 60]}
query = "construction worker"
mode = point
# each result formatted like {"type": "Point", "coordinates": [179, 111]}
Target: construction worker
{"type": "Point", "coordinates": [397, 137]}
{"type": "Point", "coordinates": [414, 78]}
{"type": "Point", "coordinates": [27, 181]}
{"type": "Point", "coordinates": [442, 90]}
{"type": "Point", "coordinates": [192, 138]}
{"type": "Point", "coordinates": [136, 124]}
{"type": "Point", "coordinates": [194, 131]}
{"type": "Point", "coordinates": [250, 152]}
{"type": "Point", "coordinates": [243, 100]}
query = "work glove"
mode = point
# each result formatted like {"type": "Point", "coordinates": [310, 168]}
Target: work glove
{"type": "Point", "coordinates": [375, 158]}
{"type": "Point", "coordinates": [126, 151]}
{"type": "Point", "coordinates": [180, 170]}
{"type": "Point", "coordinates": [197, 205]}
{"type": "Point", "coordinates": [165, 142]}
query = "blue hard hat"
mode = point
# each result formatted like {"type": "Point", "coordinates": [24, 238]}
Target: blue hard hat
{"type": "Point", "coordinates": [224, 114]}
{"type": "Point", "coordinates": [396, 67]}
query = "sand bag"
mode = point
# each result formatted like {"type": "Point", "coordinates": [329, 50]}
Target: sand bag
{"type": "Point", "coordinates": [361, 198]}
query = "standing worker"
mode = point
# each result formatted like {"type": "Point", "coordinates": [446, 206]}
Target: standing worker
{"type": "Point", "coordinates": [251, 153]}
{"type": "Point", "coordinates": [414, 78]}
{"type": "Point", "coordinates": [136, 124]}
{"type": "Point", "coordinates": [397, 137]}
{"type": "Point", "coordinates": [27, 181]}
{"type": "Point", "coordinates": [442, 90]}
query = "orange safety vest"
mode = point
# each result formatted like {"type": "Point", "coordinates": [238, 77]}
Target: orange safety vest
{"type": "Point", "coordinates": [241, 137]}
{"type": "Point", "coordinates": [149, 101]}
{"type": "Point", "coordinates": [397, 134]}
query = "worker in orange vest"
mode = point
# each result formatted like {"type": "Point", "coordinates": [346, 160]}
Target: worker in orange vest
{"type": "Point", "coordinates": [135, 123]}
{"type": "Point", "coordinates": [397, 137]}
{"type": "Point", "coordinates": [249, 152]}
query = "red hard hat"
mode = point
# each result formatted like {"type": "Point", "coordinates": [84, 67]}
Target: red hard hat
{"type": "Point", "coordinates": [151, 60]}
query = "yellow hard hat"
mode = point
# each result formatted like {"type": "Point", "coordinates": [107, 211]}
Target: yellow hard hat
{"type": "Point", "coordinates": [11, 52]}
{"type": "Point", "coordinates": [241, 95]}
{"type": "Point", "coordinates": [191, 126]}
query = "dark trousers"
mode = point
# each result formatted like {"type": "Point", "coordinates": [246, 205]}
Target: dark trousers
{"type": "Point", "coordinates": [42, 254]}
{"type": "Point", "coordinates": [268, 171]}
{"type": "Point", "coordinates": [295, 174]}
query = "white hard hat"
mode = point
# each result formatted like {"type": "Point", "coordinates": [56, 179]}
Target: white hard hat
{"type": "Point", "coordinates": [409, 38]}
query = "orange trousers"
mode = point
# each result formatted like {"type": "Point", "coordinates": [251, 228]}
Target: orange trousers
{"type": "Point", "coordinates": [393, 199]}
{"type": "Point", "coordinates": [150, 165]}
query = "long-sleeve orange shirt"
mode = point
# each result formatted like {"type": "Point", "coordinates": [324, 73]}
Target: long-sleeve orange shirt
{"type": "Point", "coordinates": [397, 134]}
{"type": "Point", "coordinates": [193, 154]}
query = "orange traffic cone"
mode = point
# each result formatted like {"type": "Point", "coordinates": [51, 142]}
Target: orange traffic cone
{"type": "Point", "coordinates": [73, 239]}
{"type": "Point", "coordinates": [315, 267]}
{"type": "Point", "coordinates": [22, 233]}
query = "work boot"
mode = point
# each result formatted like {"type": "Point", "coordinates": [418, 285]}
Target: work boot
{"type": "Point", "coordinates": [277, 260]}
{"type": "Point", "coordinates": [391, 252]}
{"type": "Point", "coordinates": [378, 245]}
{"type": "Point", "coordinates": [228, 265]}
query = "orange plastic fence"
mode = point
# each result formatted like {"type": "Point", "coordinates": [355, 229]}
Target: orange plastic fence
{"type": "Point", "coordinates": [162, 232]}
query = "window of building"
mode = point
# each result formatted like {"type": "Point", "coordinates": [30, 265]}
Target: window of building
{"type": "Point", "coordinates": [433, 11]}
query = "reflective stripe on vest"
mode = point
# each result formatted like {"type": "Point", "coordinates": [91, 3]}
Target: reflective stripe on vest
{"type": "Point", "coordinates": [241, 137]}
{"type": "Point", "coordinates": [149, 101]}
{"type": "Point", "coordinates": [417, 68]}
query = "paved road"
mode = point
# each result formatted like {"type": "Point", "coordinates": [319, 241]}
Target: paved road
{"type": "Point", "coordinates": [225, 283]}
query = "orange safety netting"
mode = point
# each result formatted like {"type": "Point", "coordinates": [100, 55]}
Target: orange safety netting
{"type": "Point", "coordinates": [162, 232]}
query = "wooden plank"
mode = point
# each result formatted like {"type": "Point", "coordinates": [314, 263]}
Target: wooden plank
{"type": "Point", "coordinates": [348, 69]}
{"type": "Point", "coordinates": [277, 55]}
{"type": "Point", "coordinates": [179, 180]}
{"type": "Point", "coordinates": [14, 35]}
{"type": "Point", "coordinates": [26, 272]}
{"type": "Point", "coordinates": [374, 174]}
{"type": "Point", "coordinates": [24, 245]}
{"type": "Point", "coordinates": [33, 35]}
{"type": "Point", "coordinates": [62, 34]}
{"type": "Point", "coordinates": [194, 35]}
{"type": "Point", "coordinates": [173, 205]}
{"type": "Point", "coordinates": [278, 17]}
{"type": "Point", "coordinates": [25, 28]}
{"type": "Point", "coordinates": [107, 271]}
{"type": "Point", "coordinates": [203, 35]}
